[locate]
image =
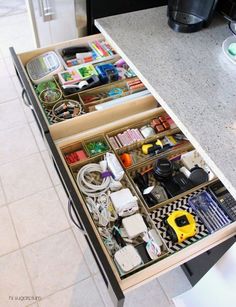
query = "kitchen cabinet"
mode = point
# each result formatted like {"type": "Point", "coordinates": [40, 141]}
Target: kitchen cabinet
{"type": "Point", "coordinates": [63, 136]}
{"type": "Point", "coordinates": [103, 8]}
{"type": "Point", "coordinates": [52, 20]}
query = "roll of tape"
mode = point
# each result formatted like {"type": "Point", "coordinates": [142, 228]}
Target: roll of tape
{"type": "Point", "coordinates": [83, 84]}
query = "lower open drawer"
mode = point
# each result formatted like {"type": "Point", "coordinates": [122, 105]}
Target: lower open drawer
{"type": "Point", "coordinates": [171, 254]}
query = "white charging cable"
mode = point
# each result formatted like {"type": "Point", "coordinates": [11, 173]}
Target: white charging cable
{"type": "Point", "coordinates": [100, 209]}
{"type": "Point", "coordinates": [100, 213]}
{"type": "Point", "coordinates": [88, 184]}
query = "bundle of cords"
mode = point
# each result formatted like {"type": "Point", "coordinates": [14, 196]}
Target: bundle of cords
{"type": "Point", "coordinates": [101, 210]}
{"type": "Point", "coordinates": [88, 184]}
{"type": "Point", "coordinates": [108, 240]}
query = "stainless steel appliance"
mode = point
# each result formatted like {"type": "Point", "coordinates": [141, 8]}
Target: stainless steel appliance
{"type": "Point", "coordinates": [190, 15]}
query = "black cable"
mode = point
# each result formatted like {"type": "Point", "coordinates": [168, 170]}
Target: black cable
{"type": "Point", "coordinates": [230, 27]}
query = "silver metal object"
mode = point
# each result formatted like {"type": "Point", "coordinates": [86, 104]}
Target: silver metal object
{"type": "Point", "coordinates": [81, 17]}
{"type": "Point", "coordinates": [25, 99]}
{"type": "Point", "coordinates": [46, 10]}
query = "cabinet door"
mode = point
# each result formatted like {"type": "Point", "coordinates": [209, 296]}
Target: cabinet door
{"type": "Point", "coordinates": [63, 23]}
{"type": "Point", "coordinates": [102, 8]}
{"type": "Point", "coordinates": [41, 28]}
{"type": "Point", "coordinates": [53, 21]}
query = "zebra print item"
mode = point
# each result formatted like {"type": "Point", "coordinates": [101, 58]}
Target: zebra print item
{"type": "Point", "coordinates": [159, 216]}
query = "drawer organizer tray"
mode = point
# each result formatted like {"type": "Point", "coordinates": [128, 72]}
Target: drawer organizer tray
{"type": "Point", "coordinates": [125, 185]}
{"type": "Point", "coordinates": [135, 148]}
{"type": "Point", "coordinates": [112, 80]}
{"type": "Point", "coordinates": [147, 168]}
{"type": "Point", "coordinates": [159, 215]}
{"type": "Point", "coordinates": [103, 61]}
{"type": "Point", "coordinates": [99, 58]}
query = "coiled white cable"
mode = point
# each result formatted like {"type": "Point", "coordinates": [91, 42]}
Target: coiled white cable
{"type": "Point", "coordinates": [85, 180]}
{"type": "Point", "coordinates": [99, 208]}
{"type": "Point", "coordinates": [100, 213]}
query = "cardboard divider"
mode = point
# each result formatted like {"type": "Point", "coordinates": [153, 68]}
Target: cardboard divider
{"type": "Point", "coordinates": [125, 184]}
{"type": "Point", "coordinates": [147, 168]}
{"type": "Point", "coordinates": [130, 111]}
{"type": "Point", "coordinates": [100, 94]}
{"type": "Point", "coordinates": [82, 145]}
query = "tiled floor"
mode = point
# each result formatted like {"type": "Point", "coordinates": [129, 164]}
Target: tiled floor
{"type": "Point", "coordinates": [41, 253]}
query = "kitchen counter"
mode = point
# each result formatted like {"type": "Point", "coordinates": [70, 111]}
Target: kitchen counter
{"type": "Point", "coordinates": [189, 76]}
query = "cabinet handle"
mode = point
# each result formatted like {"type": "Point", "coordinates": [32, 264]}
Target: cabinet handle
{"type": "Point", "coordinates": [25, 98]}
{"type": "Point", "coordinates": [46, 10]}
{"type": "Point", "coordinates": [40, 5]}
{"type": "Point", "coordinates": [70, 208]}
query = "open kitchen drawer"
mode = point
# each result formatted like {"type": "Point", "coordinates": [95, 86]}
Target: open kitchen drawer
{"type": "Point", "coordinates": [176, 254]}
{"type": "Point", "coordinates": [67, 136]}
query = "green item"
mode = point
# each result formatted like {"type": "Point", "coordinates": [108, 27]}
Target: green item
{"type": "Point", "coordinates": [87, 71]}
{"type": "Point", "coordinates": [45, 85]}
{"type": "Point", "coordinates": [50, 95]}
{"type": "Point", "coordinates": [95, 148]}
{"type": "Point", "coordinates": [232, 49]}
{"type": "Point", "coordinates": [67, 76]}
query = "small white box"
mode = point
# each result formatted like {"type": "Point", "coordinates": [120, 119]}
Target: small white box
{"type": "Point", "coordinates": [127, 258]}
{"type": "Point", "coordinates": [124, 202]}
{"type": "Point", "coordinates": [134, 225]}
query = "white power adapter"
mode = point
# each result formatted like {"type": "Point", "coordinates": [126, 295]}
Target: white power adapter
{"type": "Point", "coordinates": [124, 202]}
{"type": "Point", "coordinates": [127, 258]}
{"type": "Point", "coordinates": [114, 166]}
{"type": "Point", "coordinates": [134, 225]}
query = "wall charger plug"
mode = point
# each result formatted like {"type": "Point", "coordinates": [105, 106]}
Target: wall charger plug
{"type": "Point", "coordinates": [134, 225]}
{"type": "Point", "coordinates": [124, 202]}
{"type": "Point", "coordinates": [127, 258]}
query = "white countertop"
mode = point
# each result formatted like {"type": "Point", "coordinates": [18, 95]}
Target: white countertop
{"type": "Point", "coordinates": [189, 76]}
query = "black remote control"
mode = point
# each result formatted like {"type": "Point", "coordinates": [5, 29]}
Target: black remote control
{"type": "Point", "coordinates": [224, 198]}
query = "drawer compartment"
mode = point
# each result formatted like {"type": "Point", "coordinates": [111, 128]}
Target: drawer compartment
{"type": "Point", "coordinates": [140, 142]}
{"type": "Point", "coordinates": [107, 226]}
{"type": "Point", "coordinates": [178, 189]}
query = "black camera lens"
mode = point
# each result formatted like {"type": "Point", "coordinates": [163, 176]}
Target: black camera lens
{"type": "Point", "coordinates": [163, 169]}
